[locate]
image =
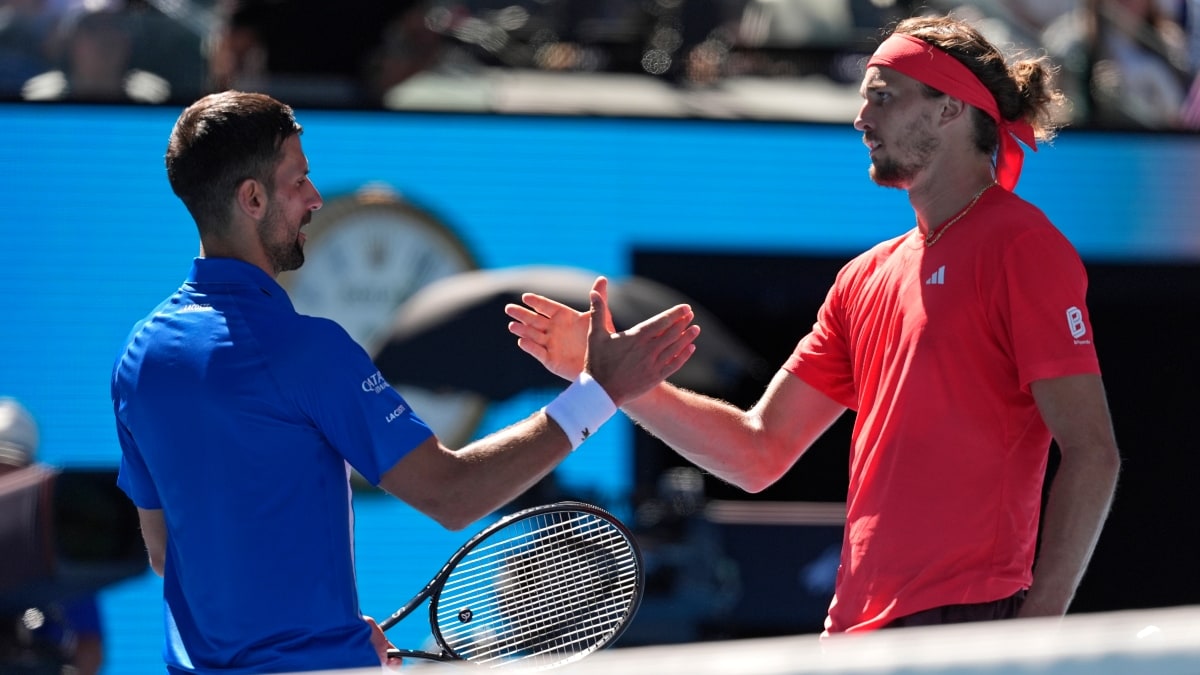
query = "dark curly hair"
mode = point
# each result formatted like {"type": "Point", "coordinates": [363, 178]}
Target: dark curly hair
{"type": "Point", "coordinates": [1023, 89]}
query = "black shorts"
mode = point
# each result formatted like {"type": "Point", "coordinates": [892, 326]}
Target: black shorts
{"type": "Point", "coordinates": [1005, 608]}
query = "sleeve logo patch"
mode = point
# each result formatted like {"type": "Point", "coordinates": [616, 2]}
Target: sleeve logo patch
{"type": "Point", "coordinates": [1076, 323]}
{"type": "Point", "coordinates": [375, 383]}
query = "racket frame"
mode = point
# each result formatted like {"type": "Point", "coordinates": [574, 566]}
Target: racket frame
{"type": "Point", "coordinates": [439, 580]}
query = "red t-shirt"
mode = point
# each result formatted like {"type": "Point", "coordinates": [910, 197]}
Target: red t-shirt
{"type": "Point", "coordinates": [935, 349]}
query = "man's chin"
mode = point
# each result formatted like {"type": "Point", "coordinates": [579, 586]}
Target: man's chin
{"type": "Point", "coordinates": [295, 261]}
{"type": "Point", "coordinates": [887, 179]}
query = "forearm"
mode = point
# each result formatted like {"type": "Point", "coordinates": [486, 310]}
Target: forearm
{"type": "Point", "coordinates": [456, 488]}
{"type": "Point", "coordinates": [1078, 504]}
{"type": "Point", "coordinates": [154, 534]}
{"type": "Point", "coordinates": [718, 437]}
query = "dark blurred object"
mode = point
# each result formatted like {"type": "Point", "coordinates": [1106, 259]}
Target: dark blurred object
{"type": "Point", "coordinates": [770, 301]}
{"type": "Point", "coordinates": [453, 333]}
{"type": "Point", "coordinates": [305, 51]}
{"type": "Point", "coordinates": [690, 579]}
{"type": "Point", "coordinates": [26, 37]}
{"type": "Point", "coordinates": [25, 529]}
{"type": "Point", "coordinates": [65, 533]}
{"type": "Point", "coordinates": [784, 587]}
{"type": "Point", "coordinates": [26, 491]}
{"type": "Point", "coordinates": [709, 576]}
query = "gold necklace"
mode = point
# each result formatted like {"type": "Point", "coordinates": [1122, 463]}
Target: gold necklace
{"type": "Point", "coordinates": [931, 240]}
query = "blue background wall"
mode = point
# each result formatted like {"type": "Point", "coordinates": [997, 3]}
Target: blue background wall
{"type": "Point", "coordinates": [91, 238]}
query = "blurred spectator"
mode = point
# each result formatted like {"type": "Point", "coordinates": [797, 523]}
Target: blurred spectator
{"type": "Point", "coordinates": [407, 46]}
{"type": "Point", "coordinates": [26, 34]}
{"type": "Point", "coordinates": [96, 52]}
{"type": "Point", "coordinates": [420, 61]}
{"type": "Point", "coordinates": [1189, 117]}
{"type": "Point", "coordinates": [1035, 16]}
{"type": "Point", "coordinates": [1129, 59]}
{"type": "Point", "coordinates": [310, 51]}
{"type": "Point", "coordinates": [1139, 64]}
{"type": "Point", "coordinates": [1191, 21]}
{"type": "Point", "coordinates": [64, 637]}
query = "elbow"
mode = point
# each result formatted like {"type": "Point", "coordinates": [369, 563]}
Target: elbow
{"type": "Point", "coordinates": [765, 464]}
{"type": "Point", "coordinates": [1113, 459]}
{"type": "Point", "coordinates": [1106, 460]}
{"type": "Point", "coordinates": [451, 514]}
{"type": "Point", "coordinates": [157, 564]}
{"type": "Point", "coordinates": [756, 483]}
{"type": "Point", "coordinates": [755, 487]}
{"type": "Point", "coordinates": [1113, 463]}
{"type": "Point", "coordinates": [454, 522]}
{"type": "Point", "coordinates": [1098, 465]}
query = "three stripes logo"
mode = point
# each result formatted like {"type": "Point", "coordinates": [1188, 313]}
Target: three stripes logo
{"type": "Point", "coordinates": [938, 278]}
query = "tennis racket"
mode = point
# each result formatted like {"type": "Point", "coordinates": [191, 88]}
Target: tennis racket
{"type": "Point", "coordinates": [539, 588]}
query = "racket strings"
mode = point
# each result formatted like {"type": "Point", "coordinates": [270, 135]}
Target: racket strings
{"type": "Point", "coordinates": [482, 568]}
{"type": "Point", "coordinates": [575, 607]}
{"type": "Point", "coordinates": [552, 590]}
{"type": "Point", "coordinates": [480, 563]}
{"type": "Point", "coordinates": [571, 577]}
{"type": "Point", "coordinates": [563, 561]}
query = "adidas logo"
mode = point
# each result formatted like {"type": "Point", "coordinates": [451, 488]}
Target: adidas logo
{"type": "Point", "coordinates": [938, 278]}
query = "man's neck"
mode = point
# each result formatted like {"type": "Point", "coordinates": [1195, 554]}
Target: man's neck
{"type": "Point", "coordinates": [936, 200]}
{"type": "Point", "coordinates": [223, 249]}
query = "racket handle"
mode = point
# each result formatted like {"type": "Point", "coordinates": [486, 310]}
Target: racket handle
{"type": "Point", "coordinates": [394, 653]}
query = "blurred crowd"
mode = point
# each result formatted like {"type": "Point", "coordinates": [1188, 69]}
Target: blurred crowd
{"type": "Point", "coordinates": [1124, 63]}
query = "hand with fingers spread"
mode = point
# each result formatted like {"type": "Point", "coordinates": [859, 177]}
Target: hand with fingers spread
{"type": "Point", "coordinates": [629, 363]}
{"type": "Point", "coordinates": [553, 333]}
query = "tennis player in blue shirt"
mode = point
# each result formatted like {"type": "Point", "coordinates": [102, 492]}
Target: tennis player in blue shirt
{"type": "Point", "coordinates": [240, 420]}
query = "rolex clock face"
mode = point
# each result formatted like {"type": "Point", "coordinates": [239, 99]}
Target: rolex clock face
{"type": "Point", "coordinates": [365, 255]}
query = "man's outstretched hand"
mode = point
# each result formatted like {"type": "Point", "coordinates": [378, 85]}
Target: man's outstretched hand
{"type": "Point", "coordinates": [627, 363]}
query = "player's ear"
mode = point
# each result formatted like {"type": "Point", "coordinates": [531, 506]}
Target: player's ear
{"type": "Point", "coordinates": [952, 108]}
{"type": "Point", "coordinates": [251, 198]}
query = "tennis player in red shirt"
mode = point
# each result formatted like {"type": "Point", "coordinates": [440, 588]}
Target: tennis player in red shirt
{"type": "Point", "coordinates": [963, 345]}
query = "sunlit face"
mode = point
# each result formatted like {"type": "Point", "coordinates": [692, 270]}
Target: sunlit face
{"type": "Point", "coordinates": [897, 121]}
{"type": "Point", "coordinates": [293, 199]}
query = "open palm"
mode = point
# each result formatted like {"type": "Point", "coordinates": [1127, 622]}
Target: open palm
{"type": "Point", "coordinates": [553, 333]}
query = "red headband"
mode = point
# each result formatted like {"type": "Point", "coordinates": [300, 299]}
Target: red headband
{"type": "Point", "coordinates": [927, 64]}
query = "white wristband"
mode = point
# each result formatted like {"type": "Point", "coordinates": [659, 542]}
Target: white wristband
{"type": "Point", "coordinates": [581, 409]}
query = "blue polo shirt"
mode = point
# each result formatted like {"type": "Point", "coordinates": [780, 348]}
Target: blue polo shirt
{"type": "Point", "coordinates": [241, 419]}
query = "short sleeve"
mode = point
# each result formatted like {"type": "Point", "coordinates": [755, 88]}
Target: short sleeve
{"type": "Point", "coordinates": [359, 413]}
{"type": "Point", "coordinates": [133, 477]}
{"type": "Point", "coordinates": [822, 358]}
{"type": "Point", "coordinates": [1042, 306]}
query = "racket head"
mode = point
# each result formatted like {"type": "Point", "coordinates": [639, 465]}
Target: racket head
{"type": "Point", "coordinates": [539, 588]}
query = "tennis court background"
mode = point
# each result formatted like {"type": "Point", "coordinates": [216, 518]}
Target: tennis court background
{"type": "Point", "coordinates": [92, 238]}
